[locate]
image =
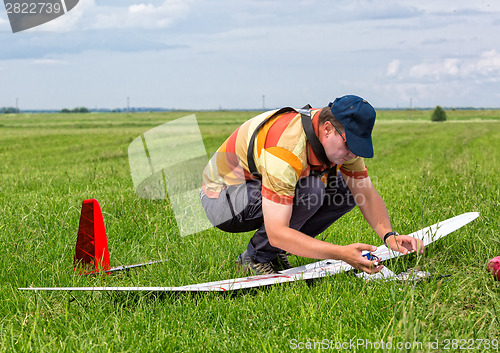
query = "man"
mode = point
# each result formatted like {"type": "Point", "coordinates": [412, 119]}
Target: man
{"type": "Point", "coordinates": [290, 174]}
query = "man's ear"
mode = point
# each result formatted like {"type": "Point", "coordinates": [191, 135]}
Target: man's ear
{"type": "Point", "coordinates": [326, 129]}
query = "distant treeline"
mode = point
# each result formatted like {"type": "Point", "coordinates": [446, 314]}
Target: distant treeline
{"type": "Point", "coordinates": [13, 110]}
{"type": "Point", "coordinates": [76, 110]}
{"type": "Point", "coordinates": [8, 110]}
{"type": "Point", "coordinates": [116, 110]}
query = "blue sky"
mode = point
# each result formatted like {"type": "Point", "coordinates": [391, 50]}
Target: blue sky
{"type": "Point", "coordinates": [196, 54]}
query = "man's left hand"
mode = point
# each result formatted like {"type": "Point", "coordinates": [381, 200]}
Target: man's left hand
{"type": "Point", "coordinates": [405, 244]}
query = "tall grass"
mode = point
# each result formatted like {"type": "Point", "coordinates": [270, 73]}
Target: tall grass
{"type": "Point", "coordinates": [426, 172]}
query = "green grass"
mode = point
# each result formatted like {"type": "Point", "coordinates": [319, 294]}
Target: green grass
{"type": "Point", "coordinates": [425, 171]}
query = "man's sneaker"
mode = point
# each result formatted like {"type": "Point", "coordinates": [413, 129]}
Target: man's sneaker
{"type": "Point", "coordinates": [246, 263]}
{"type": "Point", "coordinates": [281, 262]}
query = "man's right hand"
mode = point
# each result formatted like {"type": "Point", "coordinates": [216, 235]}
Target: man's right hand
{"type": "Point", "coordinates": [352, 254]}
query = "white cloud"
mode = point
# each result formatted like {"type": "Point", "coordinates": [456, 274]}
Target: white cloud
{"type": "Point", "coordinates": [142, 15]}
{"type": "Point", "coordinates": [69, 21]}
{"type": "Point", "coordinates": [451, 66]}
{"type": "Point", "coordinates": [393, 67]}
{"type": "Point", "coordinates": [4, 22]}
{"type": "Point", "coordinates": [435, 70]}
{"type": "Point", "coordinates": [476, 68]}
{"type": "Point", "coordinates": [489, 62]}
{"type": "Point", "coordinates": [453, 6]}
{"type": "Point", "coordinates": [89, 15]}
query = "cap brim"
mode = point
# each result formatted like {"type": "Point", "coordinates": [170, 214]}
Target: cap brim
{"type": "Point", "coordinates": [360, 146]}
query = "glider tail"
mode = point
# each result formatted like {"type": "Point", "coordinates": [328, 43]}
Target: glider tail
{"type": "Point", "coordinates": [91, 254]}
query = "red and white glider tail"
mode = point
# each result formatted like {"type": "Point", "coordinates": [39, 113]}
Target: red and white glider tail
{"type": "Point", "coordinates": [91, 254]}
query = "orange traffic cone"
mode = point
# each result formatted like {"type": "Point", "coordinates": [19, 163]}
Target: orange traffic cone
{"type": "Point", "coordinates": [91, 252]}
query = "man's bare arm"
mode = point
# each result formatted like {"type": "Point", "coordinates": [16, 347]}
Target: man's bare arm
{"type": "Point", "coordinates": [373, 208]}
{"type": "Point", "coordinates": [370, 203]}
{"type": "Point", "coordinates": [276, 220]}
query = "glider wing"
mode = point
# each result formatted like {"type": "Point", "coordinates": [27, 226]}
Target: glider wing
{"type": "Point", "coordinates": [310, 271]}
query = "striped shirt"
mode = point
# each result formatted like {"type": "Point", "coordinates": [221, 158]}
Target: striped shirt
{"type": "Point", "coordinates": [282, 156]}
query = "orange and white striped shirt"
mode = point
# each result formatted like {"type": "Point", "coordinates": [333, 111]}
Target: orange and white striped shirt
{"type": "Point", "coordinates": [282, 156]}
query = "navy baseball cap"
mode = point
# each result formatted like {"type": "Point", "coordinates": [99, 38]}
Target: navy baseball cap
{"type": "Point", "coordinates": [358, 117]}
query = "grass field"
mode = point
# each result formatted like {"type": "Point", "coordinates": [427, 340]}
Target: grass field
{"type": "Point", "coordinates": [425, 171]}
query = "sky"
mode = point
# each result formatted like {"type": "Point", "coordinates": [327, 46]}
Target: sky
{"type": "Point", "coordinates": [254, 54]}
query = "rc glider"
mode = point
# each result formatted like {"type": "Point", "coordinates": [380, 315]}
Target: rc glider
{"type": "Point", "coordinates": [92, 251]}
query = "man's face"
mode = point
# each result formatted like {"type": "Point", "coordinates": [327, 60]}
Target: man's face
{"type": "Point", "coordinates": [335, 145]}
